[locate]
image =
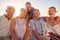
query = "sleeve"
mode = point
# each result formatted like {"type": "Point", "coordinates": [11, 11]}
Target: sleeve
{"type": "Point", "coordinates": [59, 29]}
{"type": "Point", "coordinates": [1, 19]}
{"type": "Point", "coordinates": [32, 26]}
{"type": "Point", "coordinates": [45, 31]}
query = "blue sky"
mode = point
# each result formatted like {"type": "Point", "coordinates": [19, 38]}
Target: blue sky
{"type": "Point", "coordinates": [42, 5]}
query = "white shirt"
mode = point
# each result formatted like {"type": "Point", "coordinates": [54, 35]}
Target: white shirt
{"type": "Point", "coordinates": [4, 26]}
{"type": "Point", "coordinates": [20, 27]}
{"type": "Point", "coordinates": [54, 29]}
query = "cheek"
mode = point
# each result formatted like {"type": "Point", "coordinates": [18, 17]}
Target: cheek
{"type": "Point", "coordinates": [25, 13]}
{"type": "Point", "coordinates": [10, 14]}
{"type": "Point", "coordinates": [36, 15]}
{"type": "Point", "coordinates": [22, 14]}
{"type": "Point", "coordinates": [12, 11]}
{"type": "Point", "coordinates": [58, 19]}
{"type": "Point", "coordinates": [50, 12]}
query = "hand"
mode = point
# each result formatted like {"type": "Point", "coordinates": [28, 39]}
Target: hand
{"type": "Point", "coordinates": [16, 39]}
{"type": "Point", "coordinates": [47, 33]}
{"type": "Point", "coordinates": [54, 35]}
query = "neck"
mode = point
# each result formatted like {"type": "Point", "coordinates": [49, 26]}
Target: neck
{"type": "Point", "coordinates": [7, 16]}
{"type": "Point", "coordinates": [29, 10]}
{"type": "Point", "coordinates": [37, 18]}
{"type": "Point", "coordinates": [51, 17]}
{"type": "Point", "coordinates": [22, 17]}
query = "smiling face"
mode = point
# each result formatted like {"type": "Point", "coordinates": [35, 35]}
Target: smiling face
{"type": "Point", "coordinates": [10, 11]}
{"type": "Point", "coordinates": [36, 13]}
{"type": "Point", "coordinates": [23, 12]}
{"type": "Point", "coordinates": [52, 12]}
{"type": "Point", "coordinates": [28, 6]}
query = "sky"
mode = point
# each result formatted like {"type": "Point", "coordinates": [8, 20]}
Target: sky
{"type": "Point", "coordinates": [42, 5]}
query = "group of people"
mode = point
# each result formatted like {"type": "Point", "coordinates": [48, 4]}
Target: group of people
{"type": "Point", "coordinates": [29, 25]}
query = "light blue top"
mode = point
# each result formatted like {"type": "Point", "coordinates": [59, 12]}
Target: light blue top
{"type": "Point", "coordinates": [37, 25]}
{"type": "Point", "coordinates": [20, 28]}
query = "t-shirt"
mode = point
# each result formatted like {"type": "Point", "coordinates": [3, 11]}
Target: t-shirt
{"type": "Point", "coordinates": [37, 25]}
{"type": "Point", "coordinates": [4, 26]}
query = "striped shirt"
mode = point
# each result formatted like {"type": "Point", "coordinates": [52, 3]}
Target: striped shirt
{"type": "Point", "coordinates": [37, 25]}
{"type": "Point", "coordinates": [4, 26]}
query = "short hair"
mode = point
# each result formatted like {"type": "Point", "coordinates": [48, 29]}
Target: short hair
{"type": "Point", "coordinates": [36, 10]}
{"type": "Point", "coordinates": [53, 8]}
{"type": "Point", "coordinates": [8, 7]}
{"type": "Point", "coordinates": [28, 3]}
{"type": "Point", "coordinates": [22, 9]}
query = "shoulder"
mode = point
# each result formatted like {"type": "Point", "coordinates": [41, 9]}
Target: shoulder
{"type": "Point", "coordinates": [42, 18]}
{"type": "Point", "coordinates": [17, 17]}
{"type": "Point", "coordinates": [13, 20]}
{"type": "Point", "coordinates": [58, 19]}
{"type": "Point", "coordinates": [33, 8]}
{"type": "Point", "coordinates": [32, 20]}
{"type": "Point", "coordinates": [46, 18]}
{"type": "Point", "coordinates": [13, 23]}
{"type": "Point", "coordinates": [2, 16]}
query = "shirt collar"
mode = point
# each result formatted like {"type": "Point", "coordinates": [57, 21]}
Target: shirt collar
{"type": "Point", "coordinates": [36, 19]}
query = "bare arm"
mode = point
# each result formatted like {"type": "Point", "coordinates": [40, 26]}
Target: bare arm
{"type": "Point", "coordinates": [27, 33]}
{"type": "Point", "coordinates": [37, 35]}
{"type": "Point", "coordinates": [12, 29]}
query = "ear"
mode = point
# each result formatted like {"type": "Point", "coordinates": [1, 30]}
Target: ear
{"type": "Point", "coordinates": [55, 11]}
{"type": "Point", "coordinates": [6, 10]}
{"type": "Point", "coordinates": [39, 13]}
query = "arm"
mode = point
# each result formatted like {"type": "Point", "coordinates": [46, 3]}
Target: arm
{"type": "Point", "coordinates": [37, 35]}
{"type": "Point", "coordinates": [12, 29]}
{"type": "Point", "coordinates": [32, 27]}
{"type": "Point", "coordinates": [2, 19]}
{"type": "Point", "coordinates": [54, 35]}
{"type": "Point", "coordinates": [27, 33]}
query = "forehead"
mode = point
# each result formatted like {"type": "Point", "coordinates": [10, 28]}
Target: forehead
{"type": "Point", "coordinates": [28, 5]}
{"type": "Point", "coordinates": [23, 10]}
{"type": "Point", "coordinates": [51, 9]}
{"type": "Point", "coordinates": [10, 8]}
{"type": "Point", "coordinates": [36, 11]}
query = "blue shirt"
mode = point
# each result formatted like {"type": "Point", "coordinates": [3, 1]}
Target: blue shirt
{"type": "Point", "coordinates": [37, 25]}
